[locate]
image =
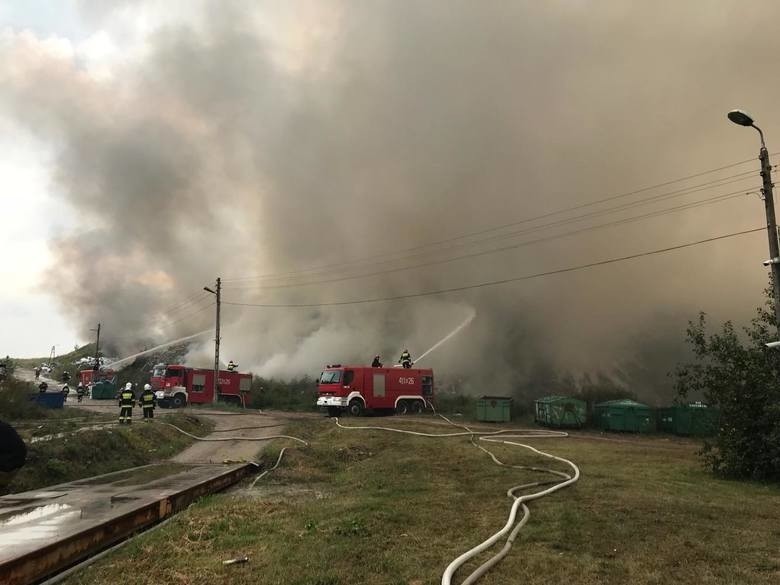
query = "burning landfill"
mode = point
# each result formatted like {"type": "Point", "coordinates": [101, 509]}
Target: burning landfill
{"type": "Point", "coordinates": [314, 155]}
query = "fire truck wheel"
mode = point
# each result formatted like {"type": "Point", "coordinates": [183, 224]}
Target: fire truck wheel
{"type": "Point", "coordinates": [402, 407]}
{"type": "Point", "coordinates": [356, 407]}
{"type": "Point", "coordinates": [333, 411]}
{"type": "Point", "coordinates": [417, 407]}
{"type": "Point", "coordinates": [179, 401]}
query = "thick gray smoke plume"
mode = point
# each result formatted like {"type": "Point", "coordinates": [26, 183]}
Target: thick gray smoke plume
{"type": "Point", "coordinates": [262, 138]}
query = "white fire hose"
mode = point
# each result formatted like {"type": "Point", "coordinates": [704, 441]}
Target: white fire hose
{"type": "Point", "coordinates": [500, 436]}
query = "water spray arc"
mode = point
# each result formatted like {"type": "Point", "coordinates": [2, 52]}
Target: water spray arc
{"type": "Point", "coordinates": [122, 362]}
{"type": "Point", "coordinates": [450, 335]}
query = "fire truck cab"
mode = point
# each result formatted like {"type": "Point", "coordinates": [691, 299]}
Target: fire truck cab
{"type": "Point", "coordinates": [356, 389]}
{"type": "Point", "coordinates": [177, 386]}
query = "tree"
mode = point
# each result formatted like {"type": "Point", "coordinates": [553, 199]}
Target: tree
{"type": "Point", "coordinates": [735, 372]}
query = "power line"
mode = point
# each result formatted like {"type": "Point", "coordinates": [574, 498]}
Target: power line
{"type": "Point", "coordinates": [499, 282]}
{"type": "Point", "coordinates": [190, 314]}
{"type": "Point", "coordinates": [657, 213]}
{"type": "Point", "coordinates": [183, 302]}
{"type": "Point", "coordinates": [496, 228]}
{"type": "Point", "coordinates": [560, 222]}
{"type": "Point", "coordinates": [185, 306]}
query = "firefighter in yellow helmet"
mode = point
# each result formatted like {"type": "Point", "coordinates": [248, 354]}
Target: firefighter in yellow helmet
{"type": "Point", "coordinates": [126, 401]}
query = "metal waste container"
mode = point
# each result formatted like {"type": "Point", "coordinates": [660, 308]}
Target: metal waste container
{"type": "Point", "coordinates": [494, 409]}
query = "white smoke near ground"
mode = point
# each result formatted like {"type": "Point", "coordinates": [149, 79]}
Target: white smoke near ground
{"type": "Point", "coordinates": [237, 139]}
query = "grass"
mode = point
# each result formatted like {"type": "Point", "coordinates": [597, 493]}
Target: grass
{"type": "Point", "coordinates": [367, 507]}
{"type": "Point", "coordinates": [76, 455]}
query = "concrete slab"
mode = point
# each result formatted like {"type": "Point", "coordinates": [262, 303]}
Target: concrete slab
{"type": "Point", "coordinates": [42, 531]}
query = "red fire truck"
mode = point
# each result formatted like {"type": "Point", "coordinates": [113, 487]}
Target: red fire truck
{"type": "Point", "coordinates": [360, 388]}
{"type": "Point", "coordinates": [177, 386]}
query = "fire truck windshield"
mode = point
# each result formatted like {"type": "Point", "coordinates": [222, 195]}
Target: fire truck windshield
{"type": "Point", "coordinates": [332, 377]}
{"type": "Point", "coordinates": [158, 372]}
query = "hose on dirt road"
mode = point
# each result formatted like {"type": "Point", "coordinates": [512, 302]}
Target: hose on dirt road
{"type": "Point", "coordinates": [268, 438]}
{"type": "Point", "coordinates": [512, 526]}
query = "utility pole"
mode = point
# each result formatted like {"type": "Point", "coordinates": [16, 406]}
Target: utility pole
{"type": "Point", "coordinates": [96, 367]}
{"type": "Point", "coordinates": [742, 118]}
{"type": "Point", "coordinates": [218, 294]}
{"type": "Point", "coordinates": [771, 226]}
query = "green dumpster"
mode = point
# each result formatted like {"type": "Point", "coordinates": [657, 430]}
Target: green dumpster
{"type": "Point", "coordinates": [696, 420]}
{"type": "Point", "coordinates": [625, 415]}
{"type": "Point", "coordinates": [560, 411]}
{"type": "Point", "coordinates": [103, 390]}
{"type": "Point", "coordinates": [494, 409]}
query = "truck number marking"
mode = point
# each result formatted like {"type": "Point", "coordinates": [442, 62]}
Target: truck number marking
{"type": "Point", "coordinates": [406, 381]}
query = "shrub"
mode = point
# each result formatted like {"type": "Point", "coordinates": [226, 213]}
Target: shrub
{"type": "Point", "coordinates": [739, 375]}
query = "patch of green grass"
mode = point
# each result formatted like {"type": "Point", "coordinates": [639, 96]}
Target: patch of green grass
{"type": "Point", "coordinates": [370, 507]}
{"type": "Point", "coordinates": [77, 455]}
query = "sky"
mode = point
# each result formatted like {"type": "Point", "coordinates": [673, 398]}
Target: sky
{"type": "Point", "coordinates": [151, 147]}
{"type": "Point", "coordinates": [34, 319]}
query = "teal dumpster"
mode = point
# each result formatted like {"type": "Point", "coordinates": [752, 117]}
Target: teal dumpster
{"type": "Point", "coordinates": [695, 420]}
{"type": "Point", "coordinates": [494, 409]}
{"type": "Point", "coordinates": [560, 411]}
{"type": "Point", "coordinates": [625, 415]}
{"type": "Point", "coordinates": [103, 390]}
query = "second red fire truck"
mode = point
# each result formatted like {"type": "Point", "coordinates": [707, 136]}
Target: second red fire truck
{"type": "Point", "coordinates": [177, 386]}
{"type": "Point", "coordinates": [355, 389]}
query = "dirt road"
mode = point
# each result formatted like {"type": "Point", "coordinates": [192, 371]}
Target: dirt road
{"type": "Point", "coordinates": [252, 424]}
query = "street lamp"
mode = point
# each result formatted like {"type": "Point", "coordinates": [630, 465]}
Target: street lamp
{"type": "Point", "coordinates": [742, 118]}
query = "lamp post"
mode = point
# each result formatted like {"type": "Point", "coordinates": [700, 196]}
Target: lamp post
{"type": "Point", "coordinates": [742, 118]}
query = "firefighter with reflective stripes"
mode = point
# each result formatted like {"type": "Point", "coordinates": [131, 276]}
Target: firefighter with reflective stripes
{"type": "Point", "coordinates": [126, 401]}
{"type": "Point", "coordinates": [147, 402]}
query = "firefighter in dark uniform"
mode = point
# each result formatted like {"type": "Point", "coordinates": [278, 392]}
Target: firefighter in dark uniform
{"type": "Point", "coordinates": [126, 400]}
{"type": "Point", "coordinates": [147, 402]}
{"type": "Point", "coordinates": [377, 363]}
{"type": "Point", "coordinates": [232, 366]}
{"type": "Point", "coordinates": [406, 359]}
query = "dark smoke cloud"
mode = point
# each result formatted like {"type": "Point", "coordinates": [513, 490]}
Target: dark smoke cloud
{"type": "Point", "coordinates": [259, 139]}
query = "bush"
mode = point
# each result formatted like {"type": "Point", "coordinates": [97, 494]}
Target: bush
{"type": "Point", "coordinates": [739, 375]}
{"type": "Point", "coordinates": [299, 394]}
{"type": "Point", "coordinates": [15, 403]}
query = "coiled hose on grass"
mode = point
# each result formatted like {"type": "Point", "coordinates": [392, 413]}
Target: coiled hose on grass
{"type": "Point", "coordinates": [512, 526]}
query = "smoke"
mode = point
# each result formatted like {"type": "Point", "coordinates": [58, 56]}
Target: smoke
{"type": "Point", "coordinates": [261, 138]}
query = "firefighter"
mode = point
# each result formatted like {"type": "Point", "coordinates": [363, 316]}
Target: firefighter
{"type": "Point", "coordinates": [126, 400]}
{"type": "Point", "coordinates": [406, 359]}
{"type": "Point", "coordinates": [147, 402]}
{"type": "Point", "coordinates": [377, 363]}
{"type": "Point", "coordinates": [80, 391]}
{"type": "Point", "coordinates": [231, 366]}
{"type": "Point", "coordinates": [66, 376]}
{"type": "Point", "coordinates": [37, 373]}
{"type": "Point", "coordinates": [43, 387]}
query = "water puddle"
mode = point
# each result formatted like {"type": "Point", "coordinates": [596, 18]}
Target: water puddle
{"type": "Point", "coordinates": [37, 523]}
